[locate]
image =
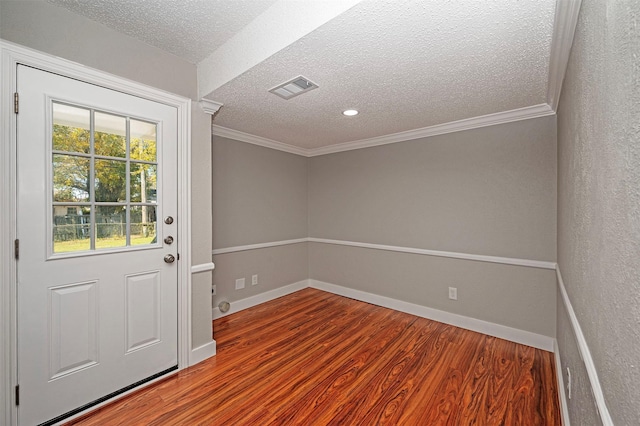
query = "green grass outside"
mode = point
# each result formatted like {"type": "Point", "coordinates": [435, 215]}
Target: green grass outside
{"type": "Point", "coordinates": [83, 244]}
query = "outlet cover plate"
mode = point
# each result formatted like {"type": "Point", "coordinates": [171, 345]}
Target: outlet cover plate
{"type": "Point", "coordinates": [254, 280]}
{"type": "Point", "coordinates": [239, 283]}
{"type": "Point", "coordinates": [453, 293]}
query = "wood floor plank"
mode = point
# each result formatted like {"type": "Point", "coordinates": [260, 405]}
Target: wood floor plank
{"type": "Point", "coordinates": [314, 358]}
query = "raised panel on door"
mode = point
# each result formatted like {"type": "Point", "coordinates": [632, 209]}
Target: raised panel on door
{"type": "Point", "coordinates": [97, 304]}
{"type": "Point", "coordinates": [143, 310]}
{"type": "Point", "coordinates": [73, 337]}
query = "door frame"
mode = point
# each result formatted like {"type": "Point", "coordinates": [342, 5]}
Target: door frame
{"type": "Point", "coordinates": [10, 56]}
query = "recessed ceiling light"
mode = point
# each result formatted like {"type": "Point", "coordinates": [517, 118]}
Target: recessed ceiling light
{"type": "Point", "coordinates": [350, 112]}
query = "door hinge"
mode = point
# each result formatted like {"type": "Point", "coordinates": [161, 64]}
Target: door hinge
{"type": "Point", "coordinates": [16, 248]}
{"type": "Point", "coordinates": [178, 256]}
{"type": "Point", "coordinates": [18, 395]}
{"type": "Point", "coordinates": [15, 102]}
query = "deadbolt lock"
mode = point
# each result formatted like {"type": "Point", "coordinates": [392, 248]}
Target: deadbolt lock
{"type": "Point", "coordinates": [168, 220]}
{"type": "Point", "coordinates": [168, 240]}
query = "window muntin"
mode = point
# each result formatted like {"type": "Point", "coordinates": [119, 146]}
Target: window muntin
{"type": "Point", "coordinates": [104, 180]}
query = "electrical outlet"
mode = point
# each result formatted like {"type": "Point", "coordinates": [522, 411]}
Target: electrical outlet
{"type": "Point", "coordinates": [254, 280]}
{"type": "Point", "coordinates": [213, 290]}
{"type": "Point", "coordinates": [568, 383]}
{"type": "Point", "coordinates": [239, 283]}
{"type": "Point", "coordinates": [453, 293]}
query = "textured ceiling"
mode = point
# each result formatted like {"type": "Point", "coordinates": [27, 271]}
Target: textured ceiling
{"type": "Point", "coordinates": [403, 64]}
{"type": "Point", "coordinates": [191, 29]}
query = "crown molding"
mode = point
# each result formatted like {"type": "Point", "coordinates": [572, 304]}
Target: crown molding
{"type": "Point", "coordinates": [564, 28]}
{"type": "Point", "coordinates": [209, 106]}
{"type": "Point", "coordinates": [257, 140]}
{"type": "Point", "coordinates": [526, 113]}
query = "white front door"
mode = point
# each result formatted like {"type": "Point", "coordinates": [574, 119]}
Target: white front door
{"type": "Point", "coordinates": [96, 212]}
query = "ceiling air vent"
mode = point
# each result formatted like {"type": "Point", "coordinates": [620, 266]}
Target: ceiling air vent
{"type": "Point", "coordinates": [294, 87]}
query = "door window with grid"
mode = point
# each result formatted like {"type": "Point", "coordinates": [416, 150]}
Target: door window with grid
{"type": "Point", "coordinates": [104, 180]}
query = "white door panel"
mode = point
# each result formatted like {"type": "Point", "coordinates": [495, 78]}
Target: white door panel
{"type": "Point", "coordinates": [97, 304]}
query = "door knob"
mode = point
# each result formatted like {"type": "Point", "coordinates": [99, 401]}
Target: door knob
{"type": "Point", "coordinates": [169, 258]}
{"type": "Point", "coordinates": [168, 220]}
{"type": "Point", "coordinates": [168, 240]}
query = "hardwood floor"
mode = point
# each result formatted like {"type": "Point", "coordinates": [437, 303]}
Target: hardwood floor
{"type": "Point", "coordinates": [314, 358]}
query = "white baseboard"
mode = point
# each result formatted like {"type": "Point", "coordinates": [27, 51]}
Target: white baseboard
{"type": "Point", "coordinates": [240, 305]}
{"type": "Point", "coordinates": [501, 331]}
{"type": "Point", "coordinates": [585, 354]}
{"type": "Point", "coordinates": [201, 353]}
{"type": "Point", "coordinates": [564, 407]}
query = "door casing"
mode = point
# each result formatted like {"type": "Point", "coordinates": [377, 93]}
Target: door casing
{"type": "Point", "coordinates": [10, 56]}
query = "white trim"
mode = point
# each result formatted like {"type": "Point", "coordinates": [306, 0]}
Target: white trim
{"type": "Point", "coordinates": [585, 353]}
{"type": "Point", "coordinates": [257, 140]}
{"type": "Point", "coordinates": [12, 55]}
{"type": "Point", "coordinates": [8, 349]}
{"type": "Point", "coordinates": [564, 28]}
{"type": "Point", "coordinates": [526, 113]}
{"type": "Point", "coordinates": [203, 267]}
{"type": "Point", "coordinates": [503, 117]}
{"type": "Point", "coordinates": [455, 255]}
{"type": "Point", "coordinates": [501, 331]}
{"type": "Point", "coordinates": [249, 302]}
{"type": "Point", "coordinates": [210, 107]}
{"type": "Point", "coordinates": [564, 408]}
{"type": "Point", "coordinates": [258, 246]}
{"type": "Point", "coordinates": [202, 352]}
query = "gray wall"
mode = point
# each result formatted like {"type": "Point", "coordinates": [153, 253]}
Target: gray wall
{"type": "Point", "coordinates": [599, 206]}
{"type": "Point", "coordinates": [489, 191]}
{"type": "Point", "coordinates": [54, 30]}
{"type": "Point", "coordinates": [259, 196]}
{"type": "Point", "coordinates": [275, 267]}
{"type": "Point", "coordinates": [514, 296]}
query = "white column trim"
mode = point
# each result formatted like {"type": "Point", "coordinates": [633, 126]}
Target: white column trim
{"type": "Point", "coordinates": [202, 352]}
{"type": "Point", "coordinates": [585, 354]}
{"type": "Point", "coordinates": [203, 267]}
{"type": "Point", "coordinates": [210, 107]}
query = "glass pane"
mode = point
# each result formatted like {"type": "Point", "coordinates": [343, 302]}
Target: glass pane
{"type": "Point", "coordinates": [143, 141]}
{"type": "Point", "coordinates": [71, 229]}
{"type": "Point", "coordinates": [111, 226]}
{"type": "Point", "coordinates": [110, 180]}
{"type": "Point", "coordinates": [71, 128]}
{"type": "Point", "coordinates": [143, 183]}
{"type": "Point", "coordinates": [110, 137]}
{"type": "Point", "coordinates": [70, 178]}
{"type": "Point", "coordinates": [143, 225]}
